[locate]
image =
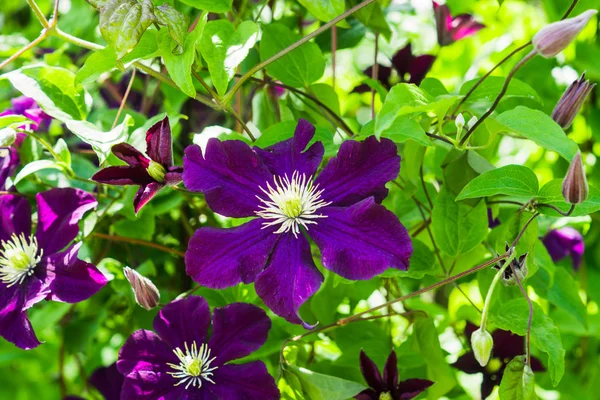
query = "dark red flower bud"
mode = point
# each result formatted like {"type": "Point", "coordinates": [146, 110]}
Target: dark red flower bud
{"type": "Point", "coordinates": [571, 101]}
{"type": "Point", "coordinates": [575, 187]}
{"type": "Point", "coordinates": [554, 38]}
{"type": "Point", "coordinates": [146, 294]}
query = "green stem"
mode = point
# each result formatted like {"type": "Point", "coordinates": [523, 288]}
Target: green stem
{"type": "Point", "coordinates": [488, 297]}
{"type": "Point", "coordinates": [227, 98]}
{"type": "Point", "coordinates": [38, 13]}
{"type": "Point", "coordinates": [529, 319]}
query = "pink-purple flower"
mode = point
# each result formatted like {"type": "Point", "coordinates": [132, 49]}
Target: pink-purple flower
{"type": "Point", "coordinates": [564, 242]}
{"type": "Point", "coordinates": [387, 386]}
{"type": "Point", "coordinates": [449, 28]}
{"type": "Point", "coordinates": [27, 107]}
{"type": "Point", "coordinates": [179, 361]}
{"type": "Point", "coordinates": [339, 210]}
{"type": "Point", "coordinates": [35, 267]}
{"type": "Point", "coordinates": [151, 172]}
{"type": "Point", "coordinates": [9, 161]}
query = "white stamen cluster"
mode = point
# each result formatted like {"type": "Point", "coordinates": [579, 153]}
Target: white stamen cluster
{"type": "Point", "coordinates": [291, 203]}
{"type": "Point", "coordinates": [194, 366]}
{"type": "Point", "coordinates": [18, 258]}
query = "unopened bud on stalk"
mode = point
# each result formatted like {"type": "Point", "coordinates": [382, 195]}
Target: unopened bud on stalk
{"type": "Point", "coordinates": [554, 38]}
{"type": "Point", "coordinates": [471, 122]}
{"type": "Point", "coordinates": [459, 121]}
{"type": "Point", "coordinates": [482, 343]}
{"type": "Point", "coordinates": [146, 294]}
{"type": "Point", "coordinates": [571, 101]}
{"type": "Point", "coordinates": [575, 187]}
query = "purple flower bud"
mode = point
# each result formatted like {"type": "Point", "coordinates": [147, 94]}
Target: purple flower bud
{"type": "Point", "coordinates": [146, 294]}
{"type": "Point", "coordinates": [564, 242]}
{"type": "Point", "coordinates": [575, 187]}
{"type": "Point", "coordinates": [571, 101]}
{"type": "Point", "coordinates": [554, 38]}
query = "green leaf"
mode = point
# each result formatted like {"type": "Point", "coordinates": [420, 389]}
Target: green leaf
{"type": "Point", "coordinates": [551, 193]}
{"type": "Point", "coordinates": [98, 63]}
{"type": "Point", "coordinates": [511, 180]}
{"type": "Point", "coordinates": [140, 226]}
{"type": "Point", "coordinates": [100, 141]}
{"type": "Point", "coordinates": [403, 99]}
{"type": "Point", "coordinates": [404, 128]}
{"type": "Point", "coordinates": [326, 10]}
{"type": "Point", "coordinates": [13, 121]}
{"type": "Point", "coordinates": [298, 68]}
{"type": "Point", "coordinates": [63, 152]}
{"type": "Point", "coordinates": [179, 66]}
{"type": "Point", "coordinates": [491, 87]}
{"type": "Point", "coordinates": [216, 6]}
{"type": "Point", "coordinates": [540, 128]}
{"type": "Point", "coordinates": [176, 22]}
{"type": "Point", "coordinates": [513, 316]}
{"type": "Point", "coordinates": [224, 48]}
{"type": "Point", "coordinates": [123, 22]}
{"type": "Point", "coordinates": [509, 230]}
{"type": "Point", "coordinates": [518, 382]}
{"type": "Point", "coordinates": [323, 387]}
{"type": "Point", "coordinates": [373, 17]}
{"type": "Point", "coordinates": [457, 227]}
{"type": "Point", "coordinates": [146, 48]}
{"type": "Point", "coordinates": [54, 89]}
{"type": "Point", "coordinates": [565, 295]}
{"type": "Point", "coordinates": [34, 167]}
{"type": "Point", "coordinates": [422, 262]}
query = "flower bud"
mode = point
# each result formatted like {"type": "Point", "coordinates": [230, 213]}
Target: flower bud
{"type": "Point", "coordinates": [482, 343]}
{"type": "Point", "coordinates": [518, 265]}
{"type": "Point", "coordinates": [575, 187]}
{"type": "Point", "coordinates": [146, 294]}
{"type": "Point", "coordinates": [7, 137]}
{"type": "Point", "coordinates": [472, 122]}
{"type": "Point", "coordinates": [554, 38]}
{"type": "Point", "coordinates": [156, 171]}
{"type": "Point", "coordinates": [571, 101]}
{"type": "Point", "coordinates": [459, 122]}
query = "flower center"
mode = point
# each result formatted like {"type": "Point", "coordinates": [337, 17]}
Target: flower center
{"type": "Point", "coordinates": [291, 203]}
{"type": "Point", "coordinates": [156, 171]}
{"type": "Point", "coordinates": [18, 258]}
{"type": "Point", "coordinates": [194, 366]}
{"type": "Point", "coordinates": [385, 396]}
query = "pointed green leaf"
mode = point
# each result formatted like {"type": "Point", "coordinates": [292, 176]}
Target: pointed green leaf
{"type": "Point", "coordinates": [123, 22]}
{"type": "Point", "coordinates": [96, 64]}
{"type": "Point", "coordinates": [518, 381]}
{"type": "Point", "coordinates": [216, 6]}
{"type": "Point", "coordinates": [324, 387]}
{"type": "Point", "coordinates": [403, 99]}
{"type": "Point", "coordinates": [551, 193]}
{"type": "Point", "coordinates": [326, 10]}
{"type": "Point", "coordinates": [511, 180]}
{"type": "Point", "coordinates": [176, 22]}
{"type": "Point", "coordinates": [34, 167]}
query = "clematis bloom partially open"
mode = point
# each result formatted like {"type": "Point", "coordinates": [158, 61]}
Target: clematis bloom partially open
{"type": "Point", "coordinates": [339, 210]}
{"type": "Point", "coordinates": [449, 28]}
{"type": "Point", "coordinates": [151, 172]}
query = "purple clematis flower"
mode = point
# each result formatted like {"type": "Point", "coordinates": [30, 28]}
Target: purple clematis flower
{"type": "Point", "coordinates": [506, 347]}
{"type": "Point", "coordinates": [9, 161]}
{"type": "Point", "coordinates": [410, 69]}
{"type": "Point", "coordinates": [387, 387]}
{"type": "Point", "coordinates": [28, 107]}
{"type": "Point", "coordinates": [339, 210]}
{"type": "Point", "coordinates": [178, 362]}
{"type": "Point", "coordinates": [564, 242]}
{"type": "Point", "coordinates": [151, 173]}
{"type": "Point", "coordinates": [449, 28]}
{"type": "Point", "coordinates": [107, 380]}
{"type": "Point", "coordinates": [34, 267]}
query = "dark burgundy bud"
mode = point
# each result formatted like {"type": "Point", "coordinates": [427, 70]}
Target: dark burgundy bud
{"type": "Point", "coordinates": [571, 101]}
{"type": "Point", "coordinates": [575, 186]}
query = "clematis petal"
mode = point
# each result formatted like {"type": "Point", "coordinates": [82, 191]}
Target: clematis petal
{"type": "Point", "coordinates": [220, 258]}
{"type": "Point", "coordinates": [238, 330]}
{"type": "Point", "coordinates": [468, 363]}
{"type": "Point", "coordinates": [173, 176]}
{"type": "Point", "coordinates": [361, 241]}
{"type": "Point", "coordinates": [59, 212]}
{"type": "Point", "coordinates": [153, 385]}
{"type": "Point", "coordinates": [289, 156]}
{"type": "Point", "coordinates": [14, 324]}
{"type": "Point", "coordinates": [420, 67]}
{"type": "Point", "coordinates": [563, 242]}
{"type": "Point", "coordinates": [371, 373]}
{"type": "Point", "coordinates": [145, 351]}
{"type": "Point", "coordinates": [16, 216]}
{"type": "Point", "coordinates": [123, 175]}
{"type": "Point", "coordinates": [130, 155]}
{"type": "Point", "coordinates": [488, 383]}
{"type": "Point", "coordinates": [244, 381]}
{"type": "Point", "coordinates": [145, 194]}
{"type": "Point", "coordinates": [367, 394]}
{"type": "Point", "coordinates": [464, 25]}
{"type": "Point", "coordinates": [411, 388]}
{"type": "Point", "coordinates": [229, 173]}
{"type": "Point", "coordinates": [390, 371]}
{"type": "Point", "coordinates": [290, 278]}
{"type": "Point", "coordinates": [183, 321]}
{"type": "Point", "coordinates": [108, 381]}
{"type": "Point", "coordinates": [159, 145]}
{"type": "Point", "coordinates": [360, 170]}
{"type": "Point", "coordinates": [71, 279]}
{"type": "Point", "coordinates": [9, 161]}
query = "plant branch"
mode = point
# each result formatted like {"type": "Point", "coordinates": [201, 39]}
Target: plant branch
{"type": "Point", "coordinates": [124, 100]}
{"type": "Point", "coordinates": [20, 52]}
{"type": "Point", "coordinates": [558, 210]}
{"type": "Point", "coordinates": [227, 98]}
{"type": "Point", "coordinates": [529, 319]}
{"type": "Point", "coordinates": [38, 13]}
{"type": "Point", "coordinates": [140, 242]}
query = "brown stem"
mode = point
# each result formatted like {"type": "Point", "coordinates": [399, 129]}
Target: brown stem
{"type": "Point", "coordinates": [20, 52]}
{"type": "Point", "coordinates": [374, 75]}
{"type": "Point", "coordinates": [558, 210]}
{"type": "Point", "coordinates": [529, 319]}
{"type": "Point", "coordinates": [140, 242]}
{"type": "Point", "coordinates": [334, 45]}
{"type": "Point", "coordinates": [124, 101]}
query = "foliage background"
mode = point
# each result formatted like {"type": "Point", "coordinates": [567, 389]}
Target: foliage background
{"type": "Point", "coordinates": [81, 338]}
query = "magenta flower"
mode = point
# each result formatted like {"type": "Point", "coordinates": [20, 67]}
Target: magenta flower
{"type": "Point", "coordinates": [150, 172]}
{"type": "Point", "coordinates": [108, 381]}
{"type": "Point", "coordinates": [564, 242]}
{"type": "Point", "coordinates": [28, 107]}
{"type": "Point", "coordinates": [9, 161]}
{"type": "Point", "coordinates": [339, 210]}
{"type": "Point", "coordinates": [410, 69]}
{"type": "Point", "coordinates": [34, 267]}
{"type": "Point", "coordinates": [387, 387]}
{"type": "Point", "coordinates": [180, 362]}
{"type": "Point", "coordinates": [449, 28]}
{"type": "Point", "coordinates": [506, 347]}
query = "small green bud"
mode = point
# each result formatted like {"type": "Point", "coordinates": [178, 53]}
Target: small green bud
{"type": "Point", "coordinates": [459, 122]}
{"type": "Point", "coordinates": [482, 343]}
{"type": "Point", "coordinates": [156, 171]}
